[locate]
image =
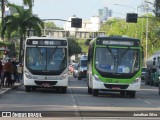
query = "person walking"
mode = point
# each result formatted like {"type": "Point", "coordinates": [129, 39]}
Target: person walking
{"type": "Point", "coordinates": [14, 72]}
{"type": "Point", "coordinates": [1, 70]}
{"type": "Point", "coordinates": [20, 71]}
{"type": "Point", "coordinates": [7, 73]}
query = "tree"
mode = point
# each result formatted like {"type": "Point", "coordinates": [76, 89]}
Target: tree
{"type": "Point", "coordinates": [51, 25]}
{"type": "Point", "coordinates": [73, 46]}
{"type": "Point", "coordinates": [157, 8]}
{"type": "Point", "coordinates": [21, 21]}
{"type": "Point", "coordinates": [28, 3]}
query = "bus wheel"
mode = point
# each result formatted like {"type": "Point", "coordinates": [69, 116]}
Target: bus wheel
{"type": "Point", "coordinates": [58, 89]}
{"type": "Point", "coordinates": [33, 88]}
{"type": "Point", "coordinates": [159, 89]}
{"type": "Point", "coordinates": [89, 90]}
{"type": "Point", "coordinates": [63, 89]}
{"type": "Point", "coordinates": [79, 78]}
{"type": "Point", "coordinates": [132, 94]}
{"type": "Point", "coordinates": [28, 88]}
{"type": "Point", "coordinates": [95, 92]}
{"type": "Point", "coordinates": [122, 93]}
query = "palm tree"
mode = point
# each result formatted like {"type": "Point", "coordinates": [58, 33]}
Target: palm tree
{"type": "Point", "coordinates": [28, 3]}
{"type": "Point", "coordinates": [20, 22]}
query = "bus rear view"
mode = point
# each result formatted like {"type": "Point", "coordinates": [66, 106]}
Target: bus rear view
{"type": "Point", "coordinates": [45, 63]}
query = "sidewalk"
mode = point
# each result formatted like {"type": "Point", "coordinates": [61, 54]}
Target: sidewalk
{"type": "Point", "coordinates": [4, 90]}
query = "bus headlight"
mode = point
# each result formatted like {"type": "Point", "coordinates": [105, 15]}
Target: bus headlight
{"type": "Point", "coordinates": [95, 77]}
{"type": "Point", "coordinates": [28, 75]}
{"type": "Point", "coordinates": [136, 80]}
{"type": "Point", "coordinates": [64, 76]}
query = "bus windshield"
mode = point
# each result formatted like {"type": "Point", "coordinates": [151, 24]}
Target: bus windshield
{"type": "Point", "coordinates": [117, 60]}
{"type": "Point", "coordinates": [83, 63]}
{"type": "Point", "coordinates": [46, 59]}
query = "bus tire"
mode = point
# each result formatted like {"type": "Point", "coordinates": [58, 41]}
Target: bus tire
{"type": "Point", "coordinates": [28, 88]}
{"type": "Point", "coordinates": [151, 83]}
{"type": "Point", "coordinates": [34, 88]}
{"type": "Point", "coordinates": [89, 90]}
{"type": "Point", "coordinates": [95, 92]}
{"type": "Point", "coordinates": [159, 89]}
{"type": "Point", "coordinates": [58, 90]}
{"type": "Point", "coordinates": [63, 89]}
{"type": "Point", "coordinates": [79, 78]}
{"type": "Point", "coordinates": [122, 93]}
{"type": "Point", "coordinates": [132, 94]}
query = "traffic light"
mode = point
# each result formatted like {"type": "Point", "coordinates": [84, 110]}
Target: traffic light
{"type": "Point", "coordinates": [76, 22]}
{"type": "Point", "coordinates": [132, 17]}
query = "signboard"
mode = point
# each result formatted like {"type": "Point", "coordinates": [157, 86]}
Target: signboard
{"type": "Point", "coordinates": [46, 42]}
{"type": "Point", "coordinates": [118, 42]}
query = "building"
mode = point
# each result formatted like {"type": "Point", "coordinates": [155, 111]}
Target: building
{"type": "Point", "coordinates": [104, 14]}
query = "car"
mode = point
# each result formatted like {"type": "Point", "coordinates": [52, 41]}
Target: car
{"type": "Point", "coordinates": [82, 67]}
{"type": "Point", "coordinates": [144, 73]}
{"type": "Point", "coordinates": [75, 71]}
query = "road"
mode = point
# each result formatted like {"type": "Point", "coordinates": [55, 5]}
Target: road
{"type": "Point", "coordinates": [78, 103]}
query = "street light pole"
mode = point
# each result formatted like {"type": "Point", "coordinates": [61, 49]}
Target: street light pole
{"type": "Point", "coordinates": [147, 35]}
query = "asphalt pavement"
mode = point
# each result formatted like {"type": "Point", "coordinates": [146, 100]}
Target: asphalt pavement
{"type": "Point", "coordinates": [4, 90]}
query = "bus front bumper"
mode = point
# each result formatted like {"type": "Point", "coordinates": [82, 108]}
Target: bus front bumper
{"type": "Point", "coordinates": [134, 86]}
{"type": "Point", "coordinates": [46, 83]}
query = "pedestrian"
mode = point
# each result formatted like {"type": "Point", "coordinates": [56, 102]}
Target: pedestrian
{"type": "Point", "coordinates": [20, 71]}
{"type": "Point", "coordinates": [7, 73]}
{"type": "Point", "coordinates": [14, 72]}
{"type": "Point", "coordinates": [1, 71]}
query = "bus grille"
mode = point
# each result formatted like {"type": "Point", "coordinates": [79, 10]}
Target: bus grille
{"type": "Point", "coordinates": [46, 82]}
{"type": "Point", "coordinates": [110, 86]}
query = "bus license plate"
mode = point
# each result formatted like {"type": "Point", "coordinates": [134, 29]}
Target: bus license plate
{"type": "Point", "coordinates": [116, 88]}
{"type": "Point", "coordinates": [46, 85]}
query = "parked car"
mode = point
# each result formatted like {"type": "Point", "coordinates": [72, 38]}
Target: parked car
{"type": "Point", "coordinates": [75, 71]}
{"type": "Point", "coordinates": [144, 73]}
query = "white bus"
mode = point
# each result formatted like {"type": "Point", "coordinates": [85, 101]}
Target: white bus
{"type": "Point", "coordinates": [46, 63]}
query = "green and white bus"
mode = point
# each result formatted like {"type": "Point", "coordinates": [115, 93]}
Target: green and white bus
{"type": "Point", "coordinates": [46, 63]}
{"type": "Point", "coordinates": [114, 64]}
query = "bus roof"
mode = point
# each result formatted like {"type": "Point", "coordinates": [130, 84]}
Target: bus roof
{"type": "Point", "coordinates": [47, 37]}
{"type": "Point", "coordinates": [117, 37]}
{"type": "Point", "coordinates": [120, 40]}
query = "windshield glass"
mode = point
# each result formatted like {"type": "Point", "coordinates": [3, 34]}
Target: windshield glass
{"type": "Point", "coordinates": [83, 63]}
{"type": "Point", "coordinates": [46, 59]}
{"type": "Point", "coordinates": [143, 69]}
{"type": "Point", "coordinates": [117, 60]}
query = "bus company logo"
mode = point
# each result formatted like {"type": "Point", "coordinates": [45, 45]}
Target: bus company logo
{"type": "Point", "coordinates": [6, 114]}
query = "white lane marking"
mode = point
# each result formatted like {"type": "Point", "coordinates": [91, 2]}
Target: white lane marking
{"type": "Point", "coordinates": [147, 102]}
{"type": "Point", "coordinates": [75, 106]}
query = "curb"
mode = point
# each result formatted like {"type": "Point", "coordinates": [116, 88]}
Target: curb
{"type": "Point", "coordinates": [6, 90]}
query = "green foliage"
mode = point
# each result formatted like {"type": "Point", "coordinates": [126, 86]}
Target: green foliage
{"type": "Point", "coordinates": [74, 48]}
{"type": "Point", "coordinates": [51, 25]}
{"type": "Point", "coordinates": [84, 47]}
{"type": "Point", "coordinates": [4, 44]}
{"type": "Point", "coordinates": [20, 22]}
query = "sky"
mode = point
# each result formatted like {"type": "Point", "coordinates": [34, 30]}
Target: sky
{"type": "Point", "coordinates": [85, 9]}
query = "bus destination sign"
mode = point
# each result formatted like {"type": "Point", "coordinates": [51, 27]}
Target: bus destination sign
{"type": "Point", "coordinates": [46, 42]}
{"type": "Point", "coordinates": [117, 42]}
